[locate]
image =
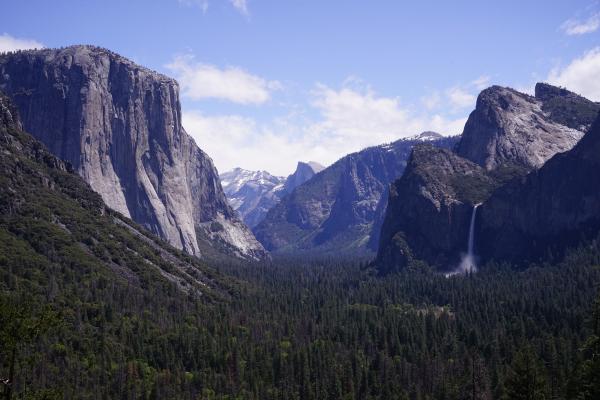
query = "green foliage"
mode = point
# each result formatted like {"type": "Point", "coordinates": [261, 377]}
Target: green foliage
{"type": "Point", "coordinates": [526, 378]}
{"type": "Point", "coordinates": [476, 188]}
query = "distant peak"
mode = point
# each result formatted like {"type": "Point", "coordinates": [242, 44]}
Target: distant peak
{"type": "Point", "coordinates": [428, 135]}
{"type": "Point", "coordinates": [315, 166]}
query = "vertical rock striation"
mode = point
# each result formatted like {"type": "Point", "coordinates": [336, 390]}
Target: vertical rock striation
{"type": "Point", "coordinates": [119, 125]}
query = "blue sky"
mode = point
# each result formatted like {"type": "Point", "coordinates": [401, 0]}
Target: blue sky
{"type": "Point", "coordinates": [267, 83]}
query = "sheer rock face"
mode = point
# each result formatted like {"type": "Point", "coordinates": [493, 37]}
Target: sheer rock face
{"type": "Point", "coordinates": [119, 125]}
{"type": "Point", "coordinates": [427, 207]}
{"type": "Point", "coordinates": [548, 210]}
{"type": "Point", "coordinates": [508, 126]}
{"type": "Point", "coordinates": [340, 210]}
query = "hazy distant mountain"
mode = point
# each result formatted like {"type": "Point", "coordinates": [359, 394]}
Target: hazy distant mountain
{"type": "Point", "coordinates": [251, 193]}
{"type": "Point", "coordinates": [254, 193]}
{"type": "Point", "coordinates": [304, 171]}
{"type": "Point", "coordinates": [119, 125]}
{"type": "Point", "coordinates": [341, 209]}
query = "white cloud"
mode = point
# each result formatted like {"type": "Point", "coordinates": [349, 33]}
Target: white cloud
{"type": "Point", "coordinates": [202, 4]}
{"type": "Point", "coordinates": [481, 83]}
{"type": "Point", "coordinates": [10, 43]}
{"type": "Point", "coordinates": [456, 99]}
{"type": "Point", "coordinates": [580, 27]}
{"type": "Point", "coordinates": [581, 75]}
{"type": "Point", "coordinates": [201, 81]}
{"type": "Point", "coordinates": [460, 98]}
{"type": "Point", "coordinates": [432, 100]}
{"type": "Point", "coordinates": [241, 6]}
{"type": "Point", "coordinates": [348, 120]}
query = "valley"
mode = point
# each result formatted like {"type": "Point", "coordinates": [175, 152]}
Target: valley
{"type": "Point", "coordinates": [446, 249]}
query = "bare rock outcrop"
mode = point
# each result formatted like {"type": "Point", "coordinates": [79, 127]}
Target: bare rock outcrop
{"type": "Point", "coordinates": [512, 127]}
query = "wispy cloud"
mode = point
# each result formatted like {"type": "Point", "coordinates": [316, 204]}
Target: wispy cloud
{"type": "Point", "coordinates": [241, 6]}
{"type": "Point", "coordinates": [345, 120]}
{"type": "Point", "coordinates": [202, 4]}
{"type": "Point", "coordinates": [432, 100]}
{"type": "Point", "coordinates": [202, 81]}
{"type": "Point", "coordinates": [481, 83]}
{"type": "Point", "coordinates": [580, 75]}
{"type": "Point", "coordinates": [458, 98]}
{"type": "Point", "coordinates": [574, 26]}
{"type": "Point", "coordinates": [11, 43]}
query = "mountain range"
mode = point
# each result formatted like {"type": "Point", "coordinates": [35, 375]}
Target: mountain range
{"type": "Point", "coordinates": [118, 125]}
{"type": "Point", "coordinates": [117, 276]}
{"type": "Point", "coordinates": [254, 193]}
{"type": "Point", "coordinates": [340, 210]}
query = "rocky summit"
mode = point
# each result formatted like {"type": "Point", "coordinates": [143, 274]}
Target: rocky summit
{"type": "Point", "coordinates": [512, 127]}
{"type": "Point", "coordinates": [304, 171]}
{"type": "Point", "coordinates": [119, 125]}
{"type": "Point", "coordinates": [341, 209]}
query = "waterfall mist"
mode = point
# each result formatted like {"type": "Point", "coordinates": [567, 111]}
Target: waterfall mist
{"type": "Point", "coordinates": [468, 262]}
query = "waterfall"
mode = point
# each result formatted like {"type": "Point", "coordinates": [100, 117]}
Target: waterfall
{"type": "Point", "coordinates": [468, 264]}
{"type": "Point", "coordinates": [472, 232]}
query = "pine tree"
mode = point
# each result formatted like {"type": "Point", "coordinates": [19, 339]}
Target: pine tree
{"type": "Point", "coordinates": [587, 379]}
{"type": "Point", "coordinates": [526, 379]}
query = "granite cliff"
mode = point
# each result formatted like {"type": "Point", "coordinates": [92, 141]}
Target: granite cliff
{"type": "Point", "coordinates": [427, 208]}
{"type": "Point", "coordinates": [512, 127]}
{"type": "Point", "coordinates": [119, 125]}
{"type": "Point", "coordinates": [52, 222]}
